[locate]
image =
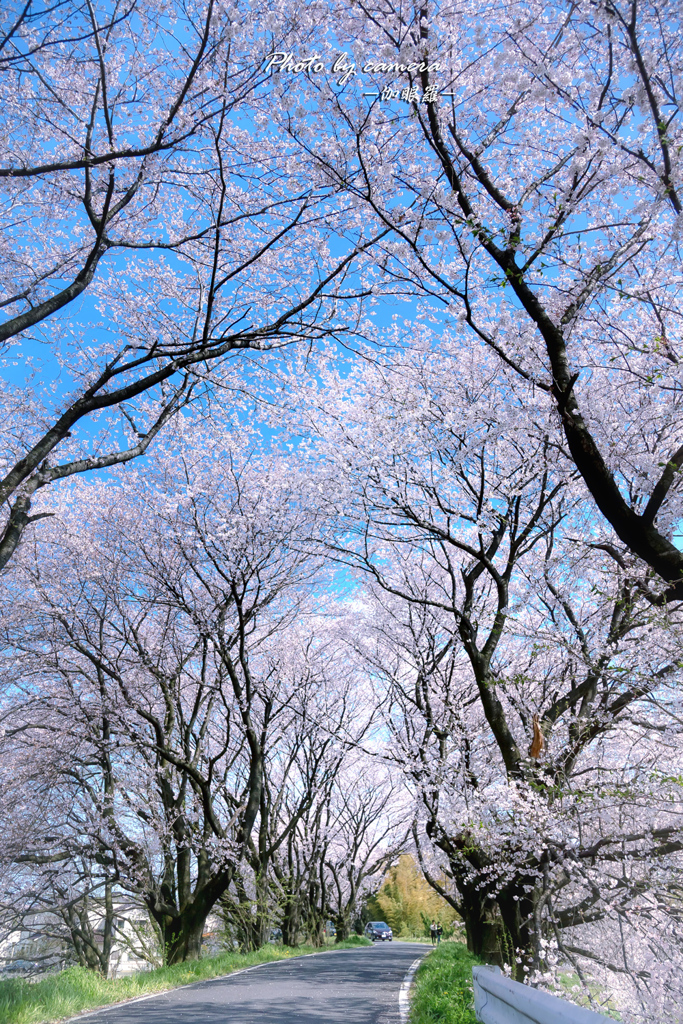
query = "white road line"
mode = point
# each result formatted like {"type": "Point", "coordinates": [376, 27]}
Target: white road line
{"type": "Point", "coordinates": [403, 1001]}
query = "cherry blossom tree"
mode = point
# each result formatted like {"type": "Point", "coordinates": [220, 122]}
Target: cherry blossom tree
{"type": "Point", "coordinates": [527, 163]}
{"type": "Point", "coordinates": [284, 856]}
{"type": "Point", "coordinates": [151, 231]}
{"type": "Point", "coordinates": [152, 653]}
{"type": "Point", "coordinates": [203, 662]}
{"type": "Point", "coordinates": [200, 717]}
{"type": "Point", "coordinates": [531, 690]}
{"type": "Point", "coordinates": [370, 833]}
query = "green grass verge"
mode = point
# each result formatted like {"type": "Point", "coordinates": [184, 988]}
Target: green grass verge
{"type": "Point", "coordinates": [75, 990]}
{"type": "Point", "coordinates": [442, 989]}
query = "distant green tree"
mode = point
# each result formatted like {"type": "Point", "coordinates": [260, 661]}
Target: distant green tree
{"type": "Point", "coordinates": [407, 902]}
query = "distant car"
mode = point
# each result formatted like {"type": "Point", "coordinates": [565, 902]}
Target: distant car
{"type": "Point", "coordinates": [275, 935]}
{"type": "Point", "coordinates": [21, 967]}
{"type": "Point", "coordinates": [378, 930]}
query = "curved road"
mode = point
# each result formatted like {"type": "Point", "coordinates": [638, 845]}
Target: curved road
{"type": "Point", "coordinates": [350, 986]}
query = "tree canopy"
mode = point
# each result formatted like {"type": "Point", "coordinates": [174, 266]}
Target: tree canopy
{"type": "Point", "coordinates": [340, 510]}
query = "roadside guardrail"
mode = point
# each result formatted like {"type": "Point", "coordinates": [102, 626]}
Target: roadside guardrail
{"type": "Point", "coordinates": [499, 1000]}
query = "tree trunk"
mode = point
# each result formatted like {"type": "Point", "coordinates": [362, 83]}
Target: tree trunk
{"type": "Point", "coordinates": [498, 928]}
{"type": "Point", "coordinates": [341, 923]}
{"type": "Point", "coordinates": [108, 932]}
{"type": "Point", "coordinates": [183, 937]}
{"type": "Point", "coordinates": [291, 922]}
{"type": "Point", "coordinates": [91, 951]}
{"type": "Point", "coordinates": [517, 913]}
{"type": "Point", "coordinates": [317, 932]}
{"type": "Point", "coordinates": [252, 916]}
{"type": "Point", "coordinates": [483, 928]}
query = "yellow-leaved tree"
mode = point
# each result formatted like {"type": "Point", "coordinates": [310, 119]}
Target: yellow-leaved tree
{"type": "Point", "coordinates": [407, 902]}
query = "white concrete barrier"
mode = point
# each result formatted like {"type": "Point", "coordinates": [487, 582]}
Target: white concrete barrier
{"type": "Point", "coordinates": [498, 1000]}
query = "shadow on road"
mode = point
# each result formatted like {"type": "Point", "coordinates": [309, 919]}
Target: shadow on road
{"type": "Point", "coordinates": [359, 986]}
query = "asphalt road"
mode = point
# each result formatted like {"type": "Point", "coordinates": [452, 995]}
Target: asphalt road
{"type": "Point", "coordinates": [352, 986]}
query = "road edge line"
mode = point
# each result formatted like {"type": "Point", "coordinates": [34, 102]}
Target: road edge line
{"type": "Point", "coordinates": [404, 993]}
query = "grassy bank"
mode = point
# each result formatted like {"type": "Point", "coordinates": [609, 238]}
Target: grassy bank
{"type": "Point", "coordinates": [76, 990]}
{"type": "Point", "coordinates": [442, 989]}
